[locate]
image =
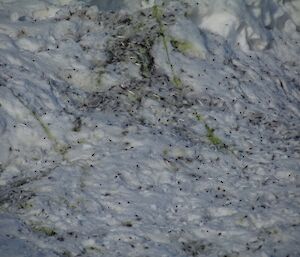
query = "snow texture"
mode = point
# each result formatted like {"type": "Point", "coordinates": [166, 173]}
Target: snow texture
{"type": "Point", "coordinates": [149, 128]}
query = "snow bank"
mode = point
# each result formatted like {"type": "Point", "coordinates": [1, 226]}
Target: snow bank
{"type": "Point", "coordinates": [149, 128]}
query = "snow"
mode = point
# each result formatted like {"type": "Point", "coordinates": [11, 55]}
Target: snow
{"type": "Point", "coordinates": [149, 128]}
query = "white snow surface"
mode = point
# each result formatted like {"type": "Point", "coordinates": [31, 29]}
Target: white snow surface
{"type": "Point", "coordinates": [149, 128]}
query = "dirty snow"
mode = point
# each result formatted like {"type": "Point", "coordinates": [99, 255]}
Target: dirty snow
{"type": "Point", "coordinates": [149, 128]}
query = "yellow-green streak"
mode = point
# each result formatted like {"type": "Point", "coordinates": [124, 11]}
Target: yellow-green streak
{"type": "Point", "coordinates": [157, 14]}
{"type": "Point", "coordinates": [59, 148]}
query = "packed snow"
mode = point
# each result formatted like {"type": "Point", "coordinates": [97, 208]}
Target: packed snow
{"type": "Point", "coordinates": [149, 128]}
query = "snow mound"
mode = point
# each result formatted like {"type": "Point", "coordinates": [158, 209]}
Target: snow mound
{"type": "Point", "coordinates": [248, 23]}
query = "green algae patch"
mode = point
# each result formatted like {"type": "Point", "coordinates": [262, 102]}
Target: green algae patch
{"type": "Point", "coordinates": [198, 117]}
{"type": "Point", "coordinates": [93, 249]}
{"type": "Point", "coordinates": [186, 47]}
{"type": "Point", "coordinates": [177, 81]}
{"type": "Point", "coordinates": [133, 97]}
{"type": "Point", "coordinates": [158, 14]}
{"type": "Point", "coordinates": [182, 45]}
{"type": "Point", "coordinates": [212, 137]}
{"type": "Point", "coordinates": [25, 205]}
{"type": "Point", "coordinates": [47, 231]}
{"type": "Point", "coordinates": [165, 153]}
{"type": "Point", "coordinates": [139, 27]}
{"type": "Point", "coordinates": [127, 223]}
{"type": "Point", "coordinates": [210, 133]}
